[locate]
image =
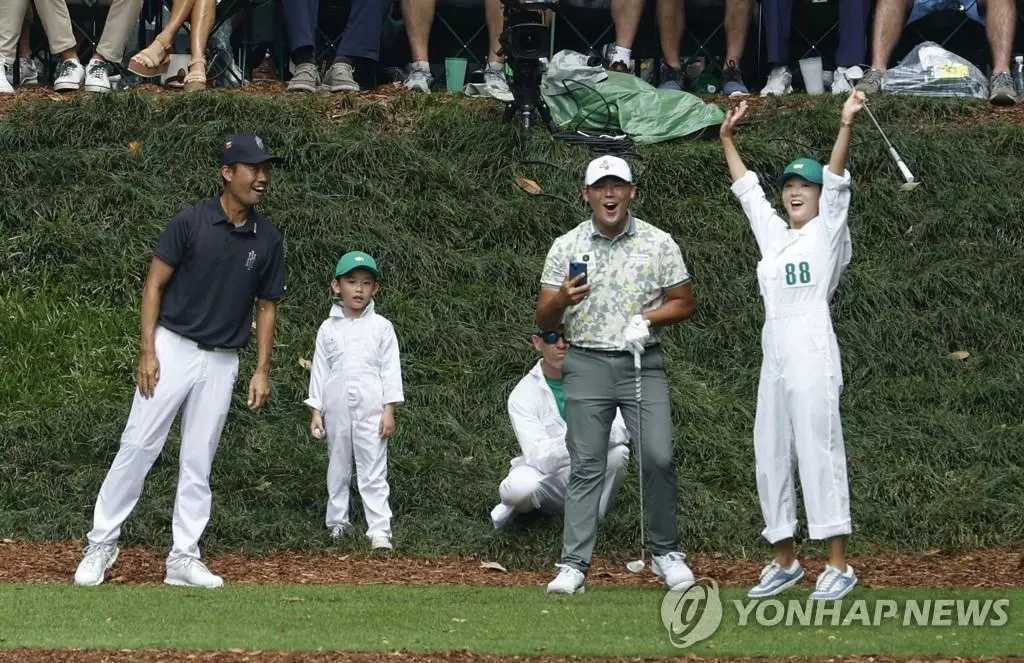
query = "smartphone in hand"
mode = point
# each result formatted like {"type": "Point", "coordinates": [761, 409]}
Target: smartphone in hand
{"type": "Point", "coordinates": [576, 268]}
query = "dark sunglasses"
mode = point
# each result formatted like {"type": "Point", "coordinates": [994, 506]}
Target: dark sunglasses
{"type": "Point", "coordinates": [551, 337]}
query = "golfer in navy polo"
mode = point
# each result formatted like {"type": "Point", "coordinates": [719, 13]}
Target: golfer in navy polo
{"type": "Point", "coordinates": [211, 262]}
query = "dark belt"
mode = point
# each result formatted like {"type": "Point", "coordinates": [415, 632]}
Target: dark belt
{"type": "Point", "coordinates": [212, 348]}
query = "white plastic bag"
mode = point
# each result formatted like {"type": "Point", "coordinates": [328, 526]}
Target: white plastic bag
{"type": "Point", "coordinates": [932, 71]}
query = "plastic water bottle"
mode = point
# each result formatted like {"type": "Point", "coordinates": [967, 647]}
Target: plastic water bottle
{"type": "Point", "coordinates": [1018, 73]}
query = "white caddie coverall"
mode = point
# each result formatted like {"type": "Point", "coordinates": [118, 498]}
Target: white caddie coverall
{"type": "Point", "coordinates": [539, 478]}
{"type": "Point", "coordinates": [797, 421]}
{"type": "Point", "coordinates": [356, 372]}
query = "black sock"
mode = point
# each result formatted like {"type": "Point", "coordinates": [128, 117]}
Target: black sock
{"type": "Point", "coordinates": [343, 58]}
{"type": "Point", "coordinates": [303, 55]}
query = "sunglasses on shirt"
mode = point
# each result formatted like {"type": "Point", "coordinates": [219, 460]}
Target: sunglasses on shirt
{"type": "Point", "coordinates": [551, 337]}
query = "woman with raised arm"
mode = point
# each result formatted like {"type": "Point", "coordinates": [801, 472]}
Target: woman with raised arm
{"type": "Point", "coordinates": [797, 423]}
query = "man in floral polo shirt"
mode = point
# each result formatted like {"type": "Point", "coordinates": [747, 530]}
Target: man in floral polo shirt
{"type": "Point", "coordinates": [636, 284]}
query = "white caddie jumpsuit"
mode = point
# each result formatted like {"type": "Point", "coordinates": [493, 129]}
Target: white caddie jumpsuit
{"type": "Point", "coordinates": [797, 421]}
{"type": "Point", "coordinates": [356, 372]}
{"type": "Point", "coordinates": [539, 477]}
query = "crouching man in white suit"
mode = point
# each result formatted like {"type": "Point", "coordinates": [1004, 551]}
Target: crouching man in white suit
{"type": "Point", "coordinates": [539, 478]}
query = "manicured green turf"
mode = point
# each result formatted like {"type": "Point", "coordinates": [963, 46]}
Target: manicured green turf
{"type": "Point", "coordinates": [519, 621]}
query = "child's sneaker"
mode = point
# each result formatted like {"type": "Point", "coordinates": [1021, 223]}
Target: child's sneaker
{"type": "Point", "coordinates": [775, 579]}
{"type": "Point", "coordinates": [834, 584]}
{"type": "Point", "coordinates": [380, 542]}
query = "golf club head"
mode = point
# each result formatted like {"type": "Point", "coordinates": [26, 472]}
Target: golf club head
{"type": "Point", "coordinates": [854, 73]}
{"type": "Point", "coordinates": [636, 566]}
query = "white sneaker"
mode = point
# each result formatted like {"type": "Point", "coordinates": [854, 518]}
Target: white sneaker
{"type": "Point", "coordinates": [338, 531]}
{"type": "Point", "coordinates": [834, 584]}
{"type": "Point", "coordinates": [419, 79]}
{"type": "Point", "coordinates": [70, 76]}
{"type": "Point", "coordinates": [92, 570]}
{"type": "Point", "coordinates": [780, 82]}
{"type": "Point", "coordinates": [568, 581]}
{"type": "Point", "coordinates": [840, 83]}
{"type": "Point", "coordinates": [96, 79]}
{"type": "Point", "coordinates": [495, 81]}
{"type": "Point", "coordinates": [381, 542]}
{"type": "Point", "coordinates": [6, 87]}
{"type": "Point", "coordinates": [672, 568]}
{"type": "Point", "coordinates": [190, 572]}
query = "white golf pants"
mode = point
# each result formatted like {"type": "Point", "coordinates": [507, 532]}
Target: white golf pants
{"type": "Point", "coordinates": [351, 439]}
{"type": "Point", "coordinates": [202, 381]}
{"type": "Point", "coordinates": [797, 426]}
{"type": "Point", "coordinates": [526, 488]}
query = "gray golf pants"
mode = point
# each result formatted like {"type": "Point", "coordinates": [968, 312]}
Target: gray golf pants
{"type": "Point", "coordinates": [595, 383]}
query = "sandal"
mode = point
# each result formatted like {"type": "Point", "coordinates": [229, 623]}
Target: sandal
{"type": "Point", "coordinates": [150, 61]}
{"type": "Point", "coordinates": [195, 81]}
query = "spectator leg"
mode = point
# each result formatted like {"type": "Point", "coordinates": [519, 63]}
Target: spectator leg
{"type": "Point", "coordinates": [738, 15]}
{"type": "Point", "coordinates": [361, 38]}
{"type": "Point", "coordinates": [853, 32]}
{"type": "Point", "coordinates": [56, 20]}
{"type": "Point", "coordinates": [419, 17]}
{"type": "Point", "coordinates": [495, 17]}
{"type": "Point", "coordinates": [122, 18]}
{"type": "Point", "coordinates": [300, 19]}
{"type": "Point", "coordinates": [889, 18]}
{"type": "Point", "coordinates": [671, 17]}
{"type": "Point", "coordinates": [626, 16]}
{"type": "Point", "coordinates": [778, 21]}
{"type": "Point", "coordinates": [1000, 25]}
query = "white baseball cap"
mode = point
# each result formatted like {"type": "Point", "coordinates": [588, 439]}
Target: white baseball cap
{"type": "Point", "coordinates": [608, 166]}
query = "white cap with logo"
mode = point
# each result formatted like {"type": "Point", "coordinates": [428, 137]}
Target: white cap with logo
{"type": "Point", "coordinates": [608, 166]}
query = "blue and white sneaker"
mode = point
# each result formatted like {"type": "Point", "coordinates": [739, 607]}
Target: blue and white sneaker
{"type": "Point", "coordinates": [775, 579]}
{"type": "Point", "coordinates": [834, 584]}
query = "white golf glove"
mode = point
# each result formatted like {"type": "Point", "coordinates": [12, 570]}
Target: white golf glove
{"type": "Point", "coordinates": [636, 334]}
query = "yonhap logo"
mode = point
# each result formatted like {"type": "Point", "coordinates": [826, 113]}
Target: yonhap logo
{"type": "Point", "coordinates": [692, 615]}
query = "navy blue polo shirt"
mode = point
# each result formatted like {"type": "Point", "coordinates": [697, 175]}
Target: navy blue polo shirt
{"type": "Point", "coordinates": [219, 271]}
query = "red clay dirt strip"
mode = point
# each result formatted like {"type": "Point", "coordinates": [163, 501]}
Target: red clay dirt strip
{"type": "Point", "coordinates": [56, 562]}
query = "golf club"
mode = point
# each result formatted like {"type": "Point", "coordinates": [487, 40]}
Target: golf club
{"type": "Point", "coordinates": [637, 565]}
{"type": "Point", "coordinates": [855, 74]}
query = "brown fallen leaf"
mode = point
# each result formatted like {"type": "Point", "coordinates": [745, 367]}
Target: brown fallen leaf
{"type": "Point", "coordinates": [960, 354]}
{"type": "Point", "coordinates": [135, 147]}
{"type": "Point", "coordinates": [305, 363]}
{"type": "Point", "coordinates": [529, 186]}
{"type": "Point", "coordinates": [493, 565]}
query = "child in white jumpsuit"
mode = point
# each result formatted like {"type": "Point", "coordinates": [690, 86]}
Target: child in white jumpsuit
{"type": "Point", "coordinates": [797, 421]}
{"type": "Point", "coordinates": [355, 384]}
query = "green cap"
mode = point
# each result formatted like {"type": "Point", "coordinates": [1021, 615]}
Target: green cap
{"type": "Point", "coordinates": [356, 260]}
{"type": "Point", "coordinates": [809, 169]}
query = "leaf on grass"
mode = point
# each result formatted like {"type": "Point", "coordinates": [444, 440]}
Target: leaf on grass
{"type": "Point", "coordinates": [960, 354]}
{"type": "Point", "coordinates": [264, 485]}
{"type": "Point", "coordinates": [135, 147]}
{"type": "Point", "coordinates": [529, 186]}
{"type": "Point", "coordinates": [305, 363]}
{"type": "Point", "coordinates": [493, 565]}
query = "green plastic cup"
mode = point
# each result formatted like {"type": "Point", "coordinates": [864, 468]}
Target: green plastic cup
{"type": "Point", "coordinates": [455, 73]}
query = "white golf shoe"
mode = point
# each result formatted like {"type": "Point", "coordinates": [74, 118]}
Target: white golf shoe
{"type": "Point", "coordinates": [568, 581]}
{"type": "Point", "coordinates": [92, 570]}
{"type": "Point", "coordinates": [380, 542]}
{"type": "Point", "coordinates": [190, 572]}
{"type": "Point", "coordinates": [672, 568]}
